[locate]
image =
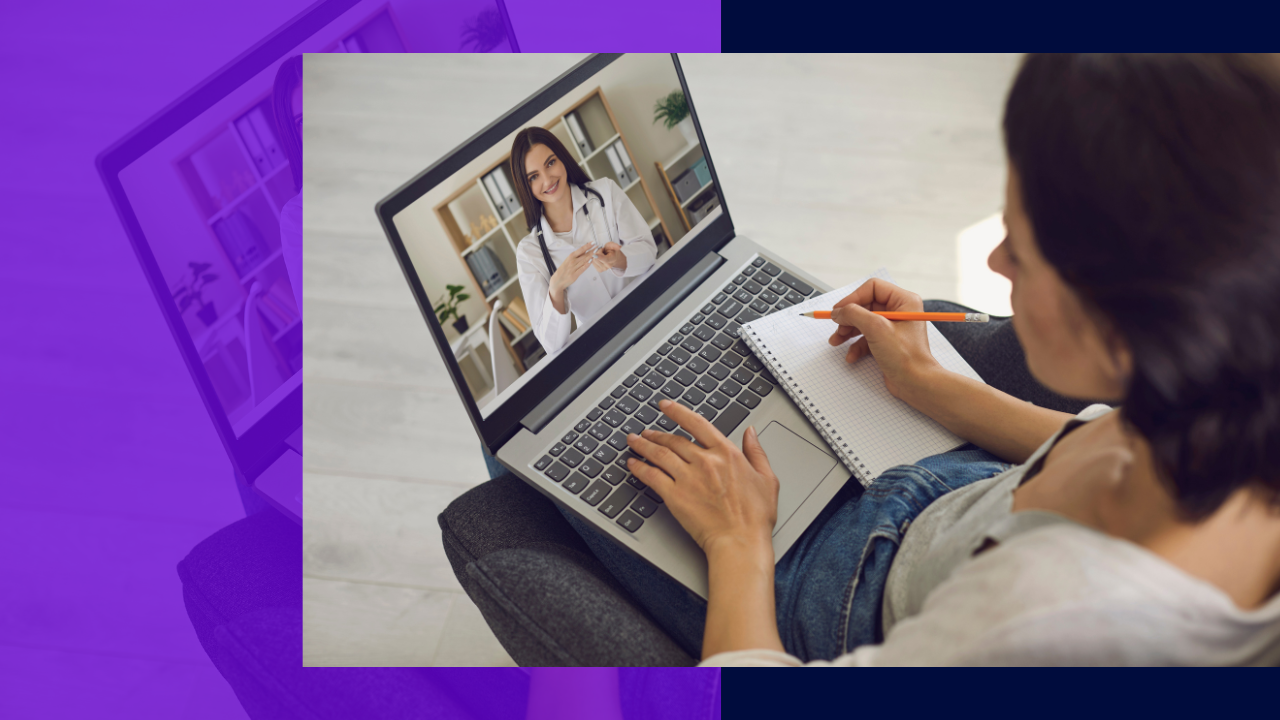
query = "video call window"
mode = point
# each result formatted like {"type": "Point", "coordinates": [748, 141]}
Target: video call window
{"type": "Point", "coordinates": [647, 185]}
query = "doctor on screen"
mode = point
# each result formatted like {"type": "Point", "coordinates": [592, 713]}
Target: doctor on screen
{"type": "Point", "coordinates": [586, 238]}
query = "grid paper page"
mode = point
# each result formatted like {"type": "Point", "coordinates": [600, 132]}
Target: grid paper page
{"type": "Point", "coordinates": [870, 429]}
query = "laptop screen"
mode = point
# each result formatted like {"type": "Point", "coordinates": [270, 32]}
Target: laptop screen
{"type": "Point", "coordinates": [611, 172]}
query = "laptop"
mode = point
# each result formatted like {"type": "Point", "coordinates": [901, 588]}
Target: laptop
{"type": "Point", "coordinates": [199, 188]}
{"type": "Point", "coordinates": [559, 419]}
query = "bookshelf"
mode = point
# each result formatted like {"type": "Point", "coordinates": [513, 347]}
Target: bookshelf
{"type": "Point", "coordinates": [689, 184]}
{"type": "Point", "coordinates": [472, 220]}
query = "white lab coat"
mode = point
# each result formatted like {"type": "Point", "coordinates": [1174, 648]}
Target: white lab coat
{"type": "Point", "coordinates": [594, 291]}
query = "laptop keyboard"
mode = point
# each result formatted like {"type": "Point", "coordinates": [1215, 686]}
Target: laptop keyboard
{"type": "Point", "coordinates": [703, 366]}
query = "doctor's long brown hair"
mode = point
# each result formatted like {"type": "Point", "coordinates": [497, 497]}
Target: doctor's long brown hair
{"type": "Point", "coordinates": [526, 139]}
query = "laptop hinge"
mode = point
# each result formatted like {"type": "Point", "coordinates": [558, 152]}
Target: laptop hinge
{"type": "Point", "coordinates": [573, 386]}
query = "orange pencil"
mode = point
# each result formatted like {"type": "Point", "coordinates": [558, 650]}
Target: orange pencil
{"type": "Point", "coordinates": [932, 316]}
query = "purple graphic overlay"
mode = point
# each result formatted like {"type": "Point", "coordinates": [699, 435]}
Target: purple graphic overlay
{"type": "Point", "coordinates": [115, 468]}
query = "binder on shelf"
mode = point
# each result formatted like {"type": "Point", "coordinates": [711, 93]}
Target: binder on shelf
{"type": "Point", "coordinates": [242, 241]}
{"type": "Point", "coordinates": [267, 136]}
{"type": "Point", "coordinates": [496, 196]}
{"type": "Point", "coordinates": [701, 170]}
{"type": "Point", "coordinates": [686, 185]}
{"type": "Point", "coordinates": [579, 133]}
{"type": "Point", "coordinates": [632, 173]}
{"type": "Point", "coordinates": [618, 170]}
{"type": "Point", "coordinates": [249, 136]}
{"type": "Point", "coordinates": [504, 185]}
{"type": "Point", "coordinates": [488, 271]}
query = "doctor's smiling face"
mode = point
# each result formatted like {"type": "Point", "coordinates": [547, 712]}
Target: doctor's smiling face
{"type": "Point", "coordinates": [546, 174]}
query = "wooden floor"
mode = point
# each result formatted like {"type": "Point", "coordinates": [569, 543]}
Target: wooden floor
{"type": "Point", "coordinates": [840, 163]}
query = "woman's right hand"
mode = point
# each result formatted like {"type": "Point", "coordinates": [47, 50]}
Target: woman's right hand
{"type": "Point", "coordinates": [568, 273]}
{"type": "Point", "coordinates": [900, 347]}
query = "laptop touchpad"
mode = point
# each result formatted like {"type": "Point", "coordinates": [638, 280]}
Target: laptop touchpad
{"type": "Point", "coordinates": [799, 464]}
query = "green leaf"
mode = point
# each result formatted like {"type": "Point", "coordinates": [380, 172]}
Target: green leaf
{"type": "Point", "coordinates": [463, 296]}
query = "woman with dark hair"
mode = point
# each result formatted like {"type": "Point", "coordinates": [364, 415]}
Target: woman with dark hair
{"type": "Point", "coordinates": [286, 106]}
{"type": "Point", "coordinates": [1143, 245]}
{"type": "Point", "coordinates": [575, 224]}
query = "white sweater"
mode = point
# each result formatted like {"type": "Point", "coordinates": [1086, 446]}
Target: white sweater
{"type": "Point", "coordinates": [1052, 592]}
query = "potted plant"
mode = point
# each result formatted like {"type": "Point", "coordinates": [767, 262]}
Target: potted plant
{"type": "Point", "coordinates": [448, 308]}
{"type": "Point", "coordinates": [189, 293]}
{"type": "Point", "coordinates": [673, 110]}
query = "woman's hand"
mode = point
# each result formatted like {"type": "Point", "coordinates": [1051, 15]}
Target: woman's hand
{"type": "Point", "coordinates": [720, 494]}
{"type": "Point", "coordinates": [900, 347]}
{"type": "Point", "coordinates": [568, 273]}
{"type": "Point", "coordinates": [610, 257]}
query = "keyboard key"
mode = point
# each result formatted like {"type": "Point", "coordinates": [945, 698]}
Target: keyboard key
{"type": "Point", "coordinates": [617, 500]}
{"type": "Point", "coordinates": [768, 298]}
{"type": "Point", "coordinates": [592, 467]}
{"type": "Point", "coordinates": [557, 472]}
{"type": "Point", "coordinates": [683, 434]}
{"type": "Point", "coordinates": [796, 284]}
{"type": "Point", "coordinates": [697, 366]}
{"type": "Point", "coordinates": [600, 431]}
{"type": "Point", "coordinates": [782, 304]}
{"type": "Point", "coordinates": [771, 269]}
{"type": "Point", "coordinates": [747, 315]}
{"type": "Point", "coordinates": [777, 288]}
{"type": "Point", "coordinates": [646, 415]}
{"type": "Point", "coordinates": [706, 384]}
{"type": "Point", "coordinates": [707, 412]}
{"type": "Point", "coordinates": [614, 418]}
{"type": "Point", "coordinates": [626, 405]}
{"type": "Point", "coordinates": [667, 424]}
{"type": "Point", "coordinates": [753, 287]}
{"type": "Point", "coordinates": [672, 389]}
{"type": "Point", "coordinates": [704, 333]}
{"type": "Point", "coordinates": [686, 329]}
{"type": "Point", "coordinates": [644, 505]}
{"type": "Point", "coordinates": [604, 454]}
{"type": "Point", "coordinates": [582, 425]}
{"type": "Point", "coordinates": [605, 404]}
{"type": "Point", "coordinates": [696, 319]}
{"type": "Point", "coordinates": [716, 321]}
{"type": "Point", "coordinates": [730, 418]}
{"type": "Point", "coordinates": [718, 400]}
{"type": "Point", "coordinates": [613, 475]}
{"type": "Point", "coordinates": [743, 297]}
{"type": "Point", "coordinates": [708, 309]}
{"type": "Point", "coordinates": [641, 393]}
{"type": "Point", "coordinates": [634, 482]}
{"type": "Point", "coordinates": [624, 457]}
{"type": "Point", "coordinates": [631, 380]}
{"type": "Point", "coordinates": [730, 388]}
{"type": "Point", "coordinates": [684, 402]}
{"type": "Point", "coordinates": [679, 356]}
{"type": "Point", "coordinates": [759, 306]}
{"type": "Point", "coordinates": [768, 377]}
{"type": "Point", "coordinates": [685, 378]}
{"type": "Point", "coordinates": [757, 262]}
{"type": "Point", "coordinates": [619, 392]}
{"type": "Point", "coordinates": [654, 380]}
{"type": "Point", "coordinates": [576, 483]}
{"type": "Point", "coordinates": [630, 521]}
{"type": "Point", "coordinates": [751, 363]}
{"type": "Point", "coordinates": [675, 339]}
{"type": "Point", "coordinates": [760, 387]}
{"type": "Point", "coordinates": [666, 348]}
{"type": "Point", "coordinates": [741, 376]}
{"type": "Point", "coordinates": [733, 329]}
{"type": "Point", "coordinates": [730, 360]}
{"type": "Point", "coordinates": [598, 491]}
{"type": "Point", "coordinates": [749, 399]}
{"type": "Point", "coordinates": [667, 368]}
{"type": "Point", "coordinates": [691, 344]}
{"type": "Point", "coordinates": [719, 372]}
{"type": "Point", "coordinates": [709, 354]}
{"type": "Point", "coordinates": [595, 414]}
{"type": "Point", "coordinates": [586, 445]}
{"type": "Point", "coordinates": [618, 441]}
{"type": "Point", "coordinates": [635, 424]}
{"type": "Point", "coordinates": [722, 341]}
{"type": "Point", "coordinates": [694, 395]}
{"type": "Point", "coordinates": [641, 371]}
{"type": "Point", "coordinates": [729, 309]}
{"type": "Point", "coordinates": [719, 298]}
{"type": "Point", "coordinates": [793, 297]}
{"type": "Point", "coordinates": [569, 437]}
{"type": "Point", "coordinates": [653, 360]}
{"type": "Point", "coordinates": [542, 463]}
{"type": "Point", "coordinates": [557, 449]}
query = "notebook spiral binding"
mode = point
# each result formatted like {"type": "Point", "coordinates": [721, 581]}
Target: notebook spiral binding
{"type": "Point", "coordinates": [811, 411]}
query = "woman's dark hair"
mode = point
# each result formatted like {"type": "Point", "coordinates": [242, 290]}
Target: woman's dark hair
{"type": "Point", "coordinates": [288, 78]}
{"type": "Point", "coordinates": [1152, 183]}
{"type": "Point", "coordinates": [526, 139]}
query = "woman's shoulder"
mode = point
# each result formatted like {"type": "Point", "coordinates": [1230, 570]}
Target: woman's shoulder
{"type": "Point", "coordinates": [292, 209]}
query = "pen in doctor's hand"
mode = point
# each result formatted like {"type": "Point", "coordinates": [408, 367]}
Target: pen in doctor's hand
{"type": "Point", "coordinates": [932, 316]}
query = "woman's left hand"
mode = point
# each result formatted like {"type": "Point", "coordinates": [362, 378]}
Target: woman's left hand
{"type": "Point", "coordinates": [610, 257]}
{"type": "Point", "coordinates": [718, 492]}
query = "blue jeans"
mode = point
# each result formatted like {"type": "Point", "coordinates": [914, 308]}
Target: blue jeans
{"type": "Point", "coordinates": [830, 584]}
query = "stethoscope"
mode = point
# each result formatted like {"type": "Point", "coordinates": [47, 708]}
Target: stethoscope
{"type": "Point", "coordinates": [546, 254]}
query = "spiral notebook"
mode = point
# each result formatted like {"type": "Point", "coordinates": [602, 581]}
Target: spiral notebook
{"type": "Point", "coordinates": [870, 430]}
